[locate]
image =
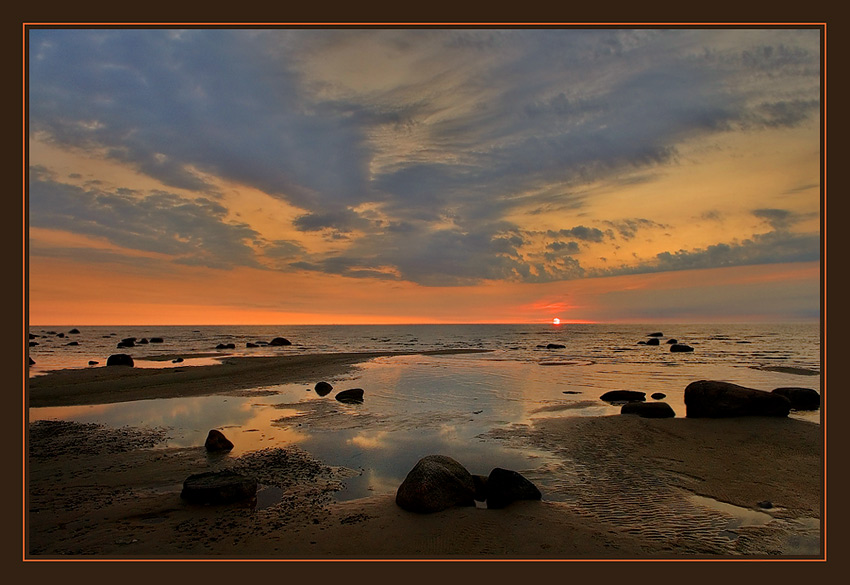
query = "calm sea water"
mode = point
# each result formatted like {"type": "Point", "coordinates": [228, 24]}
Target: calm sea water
{"type": "Point", "coordinates": [417, 405]}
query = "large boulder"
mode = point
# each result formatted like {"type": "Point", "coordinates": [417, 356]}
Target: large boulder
{"type": "Point", "coordinates": [623, 396]}
{"type": "Point", "coordinates": [435, 483]}
{"type": "Point", "coordinates": [352, 396]}
{"type": "Point", "coordinates": [801, 398]}
{"type": "Point", "coordinates": [714, 399]}
{"type": "Point", "coordinates": [504, 487]}
{"type": "Point", "coordinates": [218, 487]}
{"type": "Point", "coordinates": [216, 441]}
{"type": "Point", "coordinates": [648, 409]}
{"type": "Point", "coordinates": [120, 359]}
{"type": "Point", "coordinates": [280, 341]}
{"type": "Point", "coordinates": [323, 388]}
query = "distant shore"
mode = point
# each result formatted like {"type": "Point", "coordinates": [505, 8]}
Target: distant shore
{"type": "Point", "coordinates": [109, 384]}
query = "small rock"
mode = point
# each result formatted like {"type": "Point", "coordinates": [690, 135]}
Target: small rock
{"type": "Point", "coordinates": [653, 341]}
{"type": "Point", "coordinates": [32, 361]}
{"type": "Point", "coordinates": [801, 398]}
{"type": "Point", "coordinates": [504, 487]}
{"type": "Point", "coordinates": [656, 334]}
{"type": "Point", "coordinates": [555, 346]}
{"type": "Point", "coordinates": [658, 396]}
{"type": "Point", "coordinates": [280, 341]}
{"type": "Point", "coordinates": [681, 347]}
{"type": "Point", "coordinates": [74, 331]}
{"type": "Point", "coordinates": [323, 388]}
{"type": "Point", "coordinates": [93, 363]}
{"type": "Point", "coordinates": [765, 504]}
{"type": "Point", "coordinates": [671, 341]}
{"type": "Point", "coordinates": [120, 359]}
{"type": "Point", "coordinates": [249, 344]}
{"type": "Point", "coordinates": [73, 343]}
{"type": "Point", "coordinates": [176, 360]}
{"type": "Point", "coordinates": [216, 441]}
{"type": "Point", "coordinates": [623, 396]}
{"type": "Point", "coordinates": [648, 409]}
{"type": "Point", "coordinates": [143, 341]}
{"type": "Point", "coordinates": [156, 339]}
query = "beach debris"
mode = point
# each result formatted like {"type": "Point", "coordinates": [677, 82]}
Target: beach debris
{"type": "Point", "coordinates": [801, 398]}
{"type": "Point", "coordinates": [680, 347]}
{"type": "Point", "coordinates": [120, 359]}
{"type": "Point", "coordinates": [653, 341]}
{"type": "Point", "coordinates": [74, 331]}
{"type": "Point", "coordinates": [656, 334]}
{"type": "Point", "coordinates": [648, 409]}
{"type": "Point", "coordinates": [218, 487]}
{"type": "Point", "coordinates": [216, 441]}
{"type": "Point", "coordinates": [715, 399]}
{"type": "Point", "coordinates": [323, 388]}
{"type": "Point", "coordinates": [623, 396]}
{"type": "Point", "coordinates": [351, 396]}
{"type": "Point", "coordinates": [658, 396]}
{"type": "Point", "coordinates": [280, 341]}
{"type": "Point", "coordinates": [435, 483]}
{"type": "Point", "coordinates": [671, 341]}
{"type": "Point", "coordinates": [504, 486]}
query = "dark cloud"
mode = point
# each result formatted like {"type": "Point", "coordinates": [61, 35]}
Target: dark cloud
{"type": "Point", "coordinates": [564, 247]}
{"type": "Point", "coordinates": [580, 233]}
{"type": "Point", "coordinates": [628, 228]}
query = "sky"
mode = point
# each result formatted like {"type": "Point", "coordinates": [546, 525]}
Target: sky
{"type": "Point", "coordinates": [423, 175]}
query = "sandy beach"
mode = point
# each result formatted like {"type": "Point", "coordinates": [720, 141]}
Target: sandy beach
{"type": "Point", "coordinates": [638, 488]}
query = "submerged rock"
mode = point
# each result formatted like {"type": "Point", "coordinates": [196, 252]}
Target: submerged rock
{"type": "Point", "coordinates": [623, 396]}
{"type": "Point", "coordinates": [352, 396]}
{"type": "Point", "coordinates": [435, 483]}
{"type": "Point", "coordinates": [801, 398]}
{"type": "Point", "coordinates": [218, 487]}
{"type": "Point", "coordinates": [503, 487]}
{"type": "Point", "coordinates": [714, 399]}
{"type": "Point", "coordinates": [120, 359]}
{"type": "Point", "coordinates": [648, 409]}
{"type": "Point", "coordinates": [216, 441]}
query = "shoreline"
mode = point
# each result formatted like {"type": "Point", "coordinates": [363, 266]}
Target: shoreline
{"type": "Point", "coordinates": [109, 384]}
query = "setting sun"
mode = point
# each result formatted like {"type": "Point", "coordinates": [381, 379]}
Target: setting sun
{"type": "Point", "coordinates": [556, 321]}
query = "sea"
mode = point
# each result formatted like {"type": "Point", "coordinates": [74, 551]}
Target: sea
{"type": "Point", "coordinates": [416, 405]}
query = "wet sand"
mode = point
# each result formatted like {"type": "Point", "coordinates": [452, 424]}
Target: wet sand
{"type": "Point", "coordinates": [629, 488]}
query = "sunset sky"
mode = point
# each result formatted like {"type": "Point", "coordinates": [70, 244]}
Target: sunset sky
{"type": "Point", "coordinates": [287, 176]}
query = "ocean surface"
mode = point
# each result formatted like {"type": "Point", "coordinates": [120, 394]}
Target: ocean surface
{"type": "Point", "coordinates": [416, 405]}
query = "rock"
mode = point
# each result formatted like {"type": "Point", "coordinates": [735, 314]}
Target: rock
{"type": "Point", "coordinates": [671, 341]}
{"type": "Point", "coordinates": [658, 396]}
{"type": "Point", "coordinates": [32, 361]}
{"type": "Point", "coordinates": [32, 336]}
{"type": "Point", "coordinates": [570, 392]}
{"type": "Point", "coordinates": [648, 409]}
{"type": "Point", "coordinates": [279, 341]}
{"type": "Point", "coordinates": [505, 487]}
{"type": "Point", "coordinates": [120, 359]}
{"type": "Point", "coordinates": [680, 347]}
{"type": "Point", "coordinates": [480, 482]}
{"type": "Point", "coordinates": [765, 504]}
{"type": "Point", "coordinates": [323, 388]}
{"type": "Point", "coordinates": [218, 487]}
{"type": "Point", "coordinates": [74, 331]}
{"type": "Point", "coordinates": [352, 396]}
{"type": "Point", "coordinates": [714, 399]}
{"type": "Point", "coordinates": [33, 343]}
{"type": "Point", "coordinates": [129, 340]}
{"type": "Point", "coordinates": [249, 344]}
{"type": "Point", "coordinates": [653, 341]}
{"type": "Point", "coordinates": [555, 346]}
{"type": "Point", "coordinates": [656, 334]}
{"type": "Point", "coordinates": [641, 343]}
{"type": "Point", "coordinates": [801, 398]}
{"type": "Point", "coordinates": [143, 341]}
{"type": "Point", "coordinates": [93, 363]}
{"type": "Point", "coordinates": [623, 396]}
{"type": "Point", "coordinates": [73, 343]}
{"type": "Point", "coordinates": [226, 346]}
{"type": "Point", "coordinates": [156, 339]}
{"type": "Point", "coordinates": [216, 441]}
{"type": "Point", "coordinates": [60, 335]}
{"type": "Point", "coordinates": [435, 483]}
{"type": "Point", "coordinates": [176, 360]}
{"type": "Point", "coordinates": [126, 343]}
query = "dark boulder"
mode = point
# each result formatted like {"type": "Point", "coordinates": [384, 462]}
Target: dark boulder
{"type": "Point", "coordinates": [505, 487]}
{"type": "Point", "coordinates": [323, 388]}
{"type": "Point", "coordinates": [216, 441]}
{"type": "Point", "coordinates": [765, 504]}
{"type": "Point", "coordinates": [280, 341]}
{"type": "Point", "coordinates": [680, 347]}
{"type": "Point", "coordinates": [801, 398]}
{"type": "Point", "coordinates": [623, 396]}
{"type": "Point", "coordinates": [555, 346]}
{"type": "Point", "coordinates": [129, 340]}
{"type": "Point", "coordinates": [671, 341]}
{"type": "Point", "coordinates": [218, 487]}
{"type": "Point", "coordinates": [73, 343]}
{"type": "Point", "coordinates": [653, 341]}
{"type": "Point", "coordinates": [435, 483]}
{"type": "Point", "coordinates": [126, 343]}
{"type": "Point", "coordinates": [658, 396]}
{"type": "Point", "coordinates": [648, 409]}
{"type": "Point", "coordinates": [656, 334]}
{"type": "Point", "coordinates": [74, 331]}
{"type": "Point", "coordinates": [156, 339]}
{"type": "Point", "coordinates": [714, 399]}
{"type": "Point", "coordinates": [120, 359]}
{"type": "Point", "coordinates": [60, 335]}
{"type": "Point", "coordinates": [352, 396]}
